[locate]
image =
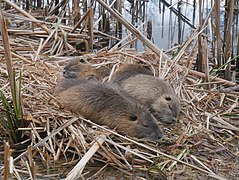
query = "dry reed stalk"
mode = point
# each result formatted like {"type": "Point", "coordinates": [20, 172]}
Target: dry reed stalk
{"type": "Point", "coordinates": [218, 33]}
{"type": "Point", "coordinates": [200, 51]}
{"type": "Point", "coordinates": [228, 37]}
{"type": "Point", "coordinates": [8, 57]}
{"type": "Point", "coordinates": [129, 150]}
{"type": "Point", "coordinates": [206, 63]}
{"type": "Point", "coordinates": [237, 61]}
{"type": "Point", "coordinates": [38, 50]}
{"type": "Point", "coordinates": [203, 128]}
{"type": "Point", "coordinates": [48, 137]}
{"type": "Point", "coordinates": [77, 14]}
{"type": "Point", "coordinates": [90, 29]}
{"type": "Point", "coordinates": [156, 151]}
{"type": "Point", "coordinates": [29, 170]}
{"type": "Point", "coordinates": [7, 154]}
{"type": "Point", "coordinates": [32, 165]}
{"type": "Point", "coordinates": [220, 120]}
{"type": "Point", "coordinates": [111, 55]}
{"type": "Point", "coordinates": [148, 43]}
{"type": "Point", "coordinates": [213, 78]}
{"type": "Point", "coordinates": [101, 16]}
{"type": "Point", "coordinates": [84, 18]}
{"type": "Point", "coordinates": [100, 171]}
{"type": "Point", "coordinates": [131, 28]}
{"type": "Point", "coordinates": [77, 170]}
{"type": "Point", "coordinates": [27, 15]}
{"type": "Point", "coordinates": [115, 47]}
{"type": "Point", "coordinates": [16, 55]}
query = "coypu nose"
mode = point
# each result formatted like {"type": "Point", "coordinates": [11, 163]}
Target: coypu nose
{"type": "Point", "coordinates": [160, 135]}
{"type": "Point", "coordinates": [156, 137]}
{"type": "Point", "coordinates": [174, 119]}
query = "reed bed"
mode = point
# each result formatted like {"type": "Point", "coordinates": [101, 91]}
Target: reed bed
{"type": "Point", "coordinates": [59, 144]}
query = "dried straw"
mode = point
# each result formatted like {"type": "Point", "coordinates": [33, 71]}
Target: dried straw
{"type": "Point", "coordinates": [203, 143]}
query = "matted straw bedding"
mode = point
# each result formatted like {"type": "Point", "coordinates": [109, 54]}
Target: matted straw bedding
{"type": "Point", "coordinates": [205, 138]}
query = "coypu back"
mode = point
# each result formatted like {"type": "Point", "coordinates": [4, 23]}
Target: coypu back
{"type": "Point", "coordinates": [130, 70]}
{"type": "Point", "coordinates": [82, 70]}
{"type": "Point", "coordinates": [154, 93]}
{"type": "Point", "coordinates": [104, 104]}
{"type": "Point", "coordinates": [146, 86]}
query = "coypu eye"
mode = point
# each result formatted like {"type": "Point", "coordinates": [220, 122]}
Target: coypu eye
{"type": "Point", "coordinates": [168, 98]}
{"type": "Point", "coordinates": [82, 60]}
{"type": "Point", "coordinates": [151, 110]}
{"type": "Point", "coordinates": [133, 117]}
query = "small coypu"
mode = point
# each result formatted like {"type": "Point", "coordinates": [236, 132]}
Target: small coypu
{"type": "Point", "coordinates": [154, 93]}
{"type": "Point", "coordinates": [104, 104]}
{"type": "Point", "coordinates": [81, 70]}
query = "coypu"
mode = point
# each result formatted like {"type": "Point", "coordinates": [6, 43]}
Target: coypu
{"type": "Point", "coordinates": [154, 93]}
{"type": "Point", "coordinates": [104, 104]}
{"type": "Point", "coordinates": [81, 70]}
{"type": "Point", "coordinates": [130, 70]}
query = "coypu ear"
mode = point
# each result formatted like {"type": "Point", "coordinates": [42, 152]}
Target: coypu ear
{"type": "Point", "coordinates": [133, 117]}
{"type": "Point", "coordinates": [91, 77]}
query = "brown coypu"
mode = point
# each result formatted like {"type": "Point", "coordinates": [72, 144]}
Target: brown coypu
{"type": "Point", "coordinates": [104, 104]}
{"type": "Point", "coordinates": [81, 70]}
{"type": "Point", "coordinates": [130, 70]}
{"type": "Point", "coordinates": [152, 92]}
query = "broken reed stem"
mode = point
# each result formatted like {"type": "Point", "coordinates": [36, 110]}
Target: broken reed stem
{"type": "Point", "coordinates": [48, 137]}
{"type": "Point", "coordinates": [8, 57]}
{"type": "Point", "coordinates": [228, 37]}
{"type": "Point", "coordinates": [206, 62]}
{"type": "Point", "coordinates": [77, 14]}
{"type": "Point", "coordinates": [77, 170]}
{"type": "Point", "coordinates": [84, 17]}
{"type": "Point", "coordinates": [7, 154]}
{"type": "Point", "coordinates": [200, 51]}
{"type": "Point", "coordinates": [154, 150]}
{"type": "Point", "coordinates": [218, 33]}
{"type": "Point", "coordinates": [90, 29]}
{"type": "Point", "coordinates": [32, 164]}
{"type": "Point", "coordinates": [27, 15]}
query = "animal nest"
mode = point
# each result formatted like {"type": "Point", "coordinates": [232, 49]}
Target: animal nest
{"type": "Point", "coordinates": [203, 143]}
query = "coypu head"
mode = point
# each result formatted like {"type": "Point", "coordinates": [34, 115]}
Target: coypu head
{"type": "Point", "coordinates": [147, 127]}
{"type": "Point", "coordinates": [140, 123]}
{"type": "Point", "coordinates": [79, 69]}
{"type": "Point", "coordinates": [166, 108]}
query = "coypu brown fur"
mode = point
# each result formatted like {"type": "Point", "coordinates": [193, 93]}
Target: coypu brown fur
{"type": "Point", "coordinates": [82, 70]}
{"type": "Point", "coordinates": [130, 70]}
{"type": "Point", "coordinates": [104, 104]}
{"type": "Point", "coordinates": [152, 92]}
